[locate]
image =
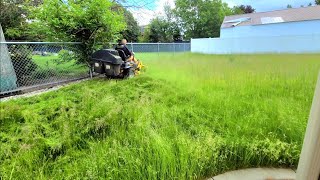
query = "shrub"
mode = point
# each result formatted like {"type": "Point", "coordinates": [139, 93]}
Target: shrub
{"type": "Point", "coordinates": [22, 63]}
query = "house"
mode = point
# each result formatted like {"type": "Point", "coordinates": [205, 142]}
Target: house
{"type": "Point", "coordinates": [288, 22]}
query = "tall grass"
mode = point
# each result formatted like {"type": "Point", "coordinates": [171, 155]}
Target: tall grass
{"type": "Point", "coordinates": [189, 116]}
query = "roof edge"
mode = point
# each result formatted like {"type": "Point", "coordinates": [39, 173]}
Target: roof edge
{"type": "Point", "coordinates": [287, 9]}
{"type": "Point", "coordinates": [272, 23]}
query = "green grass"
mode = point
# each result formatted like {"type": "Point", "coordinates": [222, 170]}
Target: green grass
{"type": "Point", "coordinates": [54, 64]}
{"type": "Point", "coordinates": [189, 116]}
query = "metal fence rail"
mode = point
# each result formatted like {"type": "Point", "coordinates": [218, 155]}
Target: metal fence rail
{"type": "Point", "coordinates": [159, 47]}
{"type": "Point", "coordinates": [36, 64]}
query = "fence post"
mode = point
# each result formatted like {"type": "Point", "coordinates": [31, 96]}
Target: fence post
{"type": "Point", "coordinates": [158, 48]}
{"type": "Point", "coordinates": [309, 163]}
{"type": "Point", "coordinates": [174, 49]}
{"type": "Point", "coordinates": [90, 72]}
{"type": "Point", "coordinates": [132, 47]}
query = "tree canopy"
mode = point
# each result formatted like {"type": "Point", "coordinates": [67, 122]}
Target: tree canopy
{"type": "Point", "coordinates": [164, 29]}
{"type": "Point", "coordinates": [14, 18]}
{"type": "Point", "coordinates": [159, 30]}
{"type": "Point", "coordinates": [91, 21]}
{"type": "Point", "coordinates": [243, 9]}
{"type": "Point", "coordinates": [247, 9]}
{"type": "Point", "coordinates": [132, 31]}
{"type": "Point", "coordinates": [86, 21]}
{"type": "Point", "coordinates": [201, 18]}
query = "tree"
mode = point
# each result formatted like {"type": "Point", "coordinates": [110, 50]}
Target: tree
{"type": "Point", "coordinates": [10, 17]}
{"type": "Point", "coordinates": [289, 6]}
{"type": "Point", "coordinates": [132, 32]}
{"type": "Point", "coordinates": [175, 32]}
{"type": "Point", "coordinates": [201, 18]}
{"type": "Point", "coordinates": [14, 18]}
{"type": "Point", "coordinates": [87, 21]}
{"type": "Point", "coordinates": [236, 10]}
{"type": "Point", "coordinates": [310, 4]}
{"type": "Point", "coordinates": [245, 9]}
{"type": "Point", "coordinates": [145, 34]}
{"type": "Point", "coordinates": [159, 31]}
{"type": "Point", "coordinates": [164, 28]}
{"type": "Point", "coordinates": [317, 2]}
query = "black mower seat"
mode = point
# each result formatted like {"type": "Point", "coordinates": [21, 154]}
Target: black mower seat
{"type": "Point", "coordinates": [122, 55]}
{"type": "Point", "coordinates": [121, 52]}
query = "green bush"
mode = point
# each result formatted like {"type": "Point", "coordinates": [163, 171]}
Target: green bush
{"type": "Point", "coordinates": [22, 63]}
{"type": "Point", "coordinates": [65, 56]}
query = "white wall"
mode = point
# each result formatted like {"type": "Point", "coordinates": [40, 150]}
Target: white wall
{"type": "Point", "coordinates": [278, 29]}
{"type": "Point", "coordinates": [249, 45]}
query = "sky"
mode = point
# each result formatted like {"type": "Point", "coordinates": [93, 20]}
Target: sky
{"type": "Point", "coordinates": [145, 10]}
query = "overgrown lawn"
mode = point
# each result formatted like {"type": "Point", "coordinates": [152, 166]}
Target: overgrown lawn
{"type": "Point", "coordinates": [189, 116]}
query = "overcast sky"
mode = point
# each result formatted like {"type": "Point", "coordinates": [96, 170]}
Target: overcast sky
{"type": "Point", "coordinates": [148, 9]}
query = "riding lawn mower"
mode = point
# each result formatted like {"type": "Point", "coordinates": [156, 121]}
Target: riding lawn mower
{"type": "Point", "coordinates": [115, 64]}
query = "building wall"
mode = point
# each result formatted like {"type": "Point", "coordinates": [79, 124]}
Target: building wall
{"type": "Point", "coordinates": [279, 29]}
{"type": "Point", "coordinates": [255, 45]}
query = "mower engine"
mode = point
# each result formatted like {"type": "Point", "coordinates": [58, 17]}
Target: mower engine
{"type": "Point", "coordinates": [108, 62]}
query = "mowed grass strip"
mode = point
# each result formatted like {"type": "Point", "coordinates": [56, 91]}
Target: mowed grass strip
{"type": "Point", "coordinates": [189, 116]}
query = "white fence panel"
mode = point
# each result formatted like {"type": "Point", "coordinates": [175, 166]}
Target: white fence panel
{"type": "Point", "coordinates": [256, 45]}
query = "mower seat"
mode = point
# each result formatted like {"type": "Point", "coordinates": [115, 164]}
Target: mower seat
{"type": "Point", "coordinates": [122, 55]}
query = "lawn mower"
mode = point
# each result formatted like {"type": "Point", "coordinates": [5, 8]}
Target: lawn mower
{"type": "Point", "coordinates": [114, 64]}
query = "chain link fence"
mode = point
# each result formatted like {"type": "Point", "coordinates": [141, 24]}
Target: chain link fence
{"type": "Point", "coordinates": [159, 47]}
{"type": "Point", "coordinates": [34, 64]}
